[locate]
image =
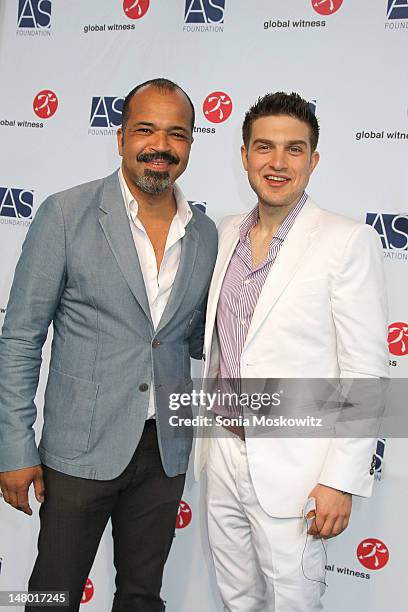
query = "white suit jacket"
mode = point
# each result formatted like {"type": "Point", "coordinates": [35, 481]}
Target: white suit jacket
{"type": "Point", "coordinates": [321, 314]}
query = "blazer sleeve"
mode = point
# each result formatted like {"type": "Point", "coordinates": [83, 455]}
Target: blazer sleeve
{"type": "Point", "coordinates": [35, 294]}
{"type": "Point", "coordinates": [359, 308]}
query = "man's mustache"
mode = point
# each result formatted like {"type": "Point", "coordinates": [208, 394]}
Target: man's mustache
{"type": "Point", "coordinates": [149, 157]}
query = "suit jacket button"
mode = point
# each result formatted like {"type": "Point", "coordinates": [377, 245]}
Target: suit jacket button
{"type": "Point", "coordinates": [143, 387]}
{"type": "Point", "coordinates": [156, 343]}
{"type": "Point", "coordinates": [372, 471]}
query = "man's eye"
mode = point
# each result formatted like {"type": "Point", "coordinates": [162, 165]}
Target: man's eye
{"type": "Point", "coordinates": [142, 130]}
{"type": "Point", "coordinates": [295, 150]}
{"type": "Point", "coordinates": [179, 135]}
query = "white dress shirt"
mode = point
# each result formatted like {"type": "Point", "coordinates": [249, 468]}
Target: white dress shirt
{"type": "Point", "coordinates": [158, 283]}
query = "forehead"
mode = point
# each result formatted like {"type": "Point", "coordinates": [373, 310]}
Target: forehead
{"type": "Point", "coordinates": [280, 128]}
{"type": "Point", "coordinates": [155, 106]}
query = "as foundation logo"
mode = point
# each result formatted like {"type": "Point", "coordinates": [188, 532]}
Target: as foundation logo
{"type": "Point", "coordinates": [397, 9]}
{"type": "Point", "coordinates": [135, 9]}
{"type": "Point", "coordinates": [184, 515]}
{"type": "Point", "coordinates": [373, 554]}
{"type": "Point", "coordinates": [106, 115]}
{"type": "Point", "coordinates": [204, 15]}
{"type": "Point", "coordinates": [34, 18]}
{"type": "Point", "coordinates": [326, 7]}
{"type": "Point", "coordinates": [397, 15]}
{"type": "Point", "coordinates": [16, 206]}
{"type": "Point", "coordinates": [393, 231]}
{"type": "Point", "coordinates": [45, 104]}
{"type": "Point", "coordinates": [88, 592]}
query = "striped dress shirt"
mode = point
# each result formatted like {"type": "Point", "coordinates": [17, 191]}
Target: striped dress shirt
{"type": "Point", "coordinates": [241, 288]}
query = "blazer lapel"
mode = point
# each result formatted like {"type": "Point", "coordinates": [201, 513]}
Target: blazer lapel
{"type": "Point", "coordinates": [290, 257]}
{"type": "Point", "coordinates": [225, 252]}
{"type": "Point", "coordinates": [189, 247]}
{"type": "Point", "coordinates": [115, 225]}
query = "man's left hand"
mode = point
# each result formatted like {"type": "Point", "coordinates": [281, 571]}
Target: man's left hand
{"type": "Point", "coordinates": [333, 509]}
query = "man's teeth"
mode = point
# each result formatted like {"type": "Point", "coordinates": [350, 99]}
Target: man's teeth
{"type": "Point", "coordinates": [278, 179]}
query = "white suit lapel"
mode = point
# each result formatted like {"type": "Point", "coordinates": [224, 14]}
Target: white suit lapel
{"type": "Point", "coordinates": [290, 257]}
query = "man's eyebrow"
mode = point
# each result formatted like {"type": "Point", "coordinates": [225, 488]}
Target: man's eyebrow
{"type": "Point", "coordinates": [288, 143]}
{"type": "Point", "coordinates": [149, 124]}
{"type": "Point", "coordinates": [134, 123]}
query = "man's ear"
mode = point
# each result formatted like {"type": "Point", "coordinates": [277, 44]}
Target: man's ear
{"type": "Point", "coordinates": [314, 160]}
{"type": "Point", "coordinates": [244, 156]}
{"type": "Point", "coordinates": [119, 136]}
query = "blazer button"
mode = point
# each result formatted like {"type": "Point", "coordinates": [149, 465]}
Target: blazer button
{"type": "Point", "coordinates": [156, 343]}
{"type": "Point", "coordinates": [143, 387]}
{"type": "Point", "coordinates": [372, 471]}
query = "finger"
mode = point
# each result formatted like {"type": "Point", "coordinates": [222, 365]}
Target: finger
{"type": "Point", "coordinates": [5, 494]}
{"type": "Point", "coordinates": [339, 526]}
{"type": "Point", "coordinates": [327, 530]}
{"type": "Point", "coordinates": [12, 498]}
{"type": "Point", "coordinates": [313, 529]}
{"type": "Point", "coordinates": [39, 488]}
{"type": "Point", "coordinates": [22, 502]}
{"type": "Point", "coordinates": [345, 524]}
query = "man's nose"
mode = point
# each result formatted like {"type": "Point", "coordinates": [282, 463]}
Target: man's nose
{"type": "Point", "coordinates": [160, 141]}
{"type": "Point", "coordinates": [278, 159]}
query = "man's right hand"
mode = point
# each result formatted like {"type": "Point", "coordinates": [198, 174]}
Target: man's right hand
{"type": "Point", "coordinates": [15, 485]}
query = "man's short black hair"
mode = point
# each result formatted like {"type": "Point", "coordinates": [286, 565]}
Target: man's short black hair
{"type": "Point", "coordinates": [161, 84]}
{"type": "Point", "coordinates": [281, 103]}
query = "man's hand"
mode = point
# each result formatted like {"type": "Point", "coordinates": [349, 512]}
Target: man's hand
{"type": "Point", "coordinates": [333, 509]}
{"type": "Point", "coordinates": [15, 485]}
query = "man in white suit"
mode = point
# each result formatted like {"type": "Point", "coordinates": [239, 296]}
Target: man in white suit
{"type": "Point", "coordinates": [297, 292]}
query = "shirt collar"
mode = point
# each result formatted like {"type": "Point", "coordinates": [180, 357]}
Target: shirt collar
{"type": "Point", "coordinates": [253, 217]}
{"type": "Point", "coordinates": [183, 213]}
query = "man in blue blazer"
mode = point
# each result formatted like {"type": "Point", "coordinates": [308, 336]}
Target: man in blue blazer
{"type": "Point", "coordinates": [121, 267]}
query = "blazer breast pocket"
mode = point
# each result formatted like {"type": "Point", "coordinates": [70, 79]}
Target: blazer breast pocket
{"type": "Point", "coordinates": [68, 411]}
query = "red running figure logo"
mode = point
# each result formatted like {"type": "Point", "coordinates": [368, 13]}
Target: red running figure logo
{"type": "Point", "coordinates": [184, 515]}
{"type": "Point", "coordinates": [373, 554]}
{"type": "Point", "coordinates": [88, 591]}
{"type": "Point", "coordinates": [135, 9]}
{"type": "Point", "coordinates": [45, 104]}
{"type": "Point", "coordinates": [326, 7]}
{"type": "Point", "coordinates": [398, 338]}
{"type": "Point", "coordinates": [217, 107]}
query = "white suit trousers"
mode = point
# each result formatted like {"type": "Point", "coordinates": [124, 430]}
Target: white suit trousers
{"type": "Point", "coordinates": [262, 563]}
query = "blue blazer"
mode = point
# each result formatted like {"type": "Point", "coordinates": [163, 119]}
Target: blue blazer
{"type": "Point", "coordinates": [79, 269]}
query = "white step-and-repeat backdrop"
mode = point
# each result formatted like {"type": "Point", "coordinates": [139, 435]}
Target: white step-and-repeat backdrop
{"type": "Point", "coordinates": [65, 68]}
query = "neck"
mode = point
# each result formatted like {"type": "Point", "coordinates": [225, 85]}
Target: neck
{"type": "Point", "coordinates": [272, 217]}
{"type": "Point", "coordinates": [153, 206]}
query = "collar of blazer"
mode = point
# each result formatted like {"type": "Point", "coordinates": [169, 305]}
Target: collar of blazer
{"type": "Point", "coordinates": [291, 255]}
{"type": "Point", "coordinates": [115, 225]}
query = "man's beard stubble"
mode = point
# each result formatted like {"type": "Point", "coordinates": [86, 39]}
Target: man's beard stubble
{"type": "Point", "coordinates": [154, 182]}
